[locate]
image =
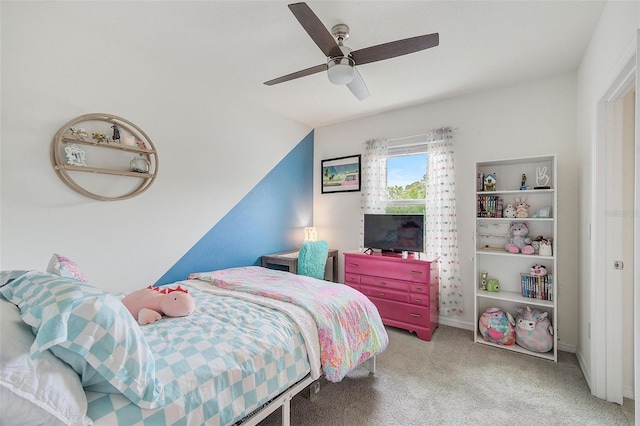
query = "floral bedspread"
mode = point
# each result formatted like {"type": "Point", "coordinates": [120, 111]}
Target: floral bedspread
{"type": "Point", "coordinates": [350, 330]}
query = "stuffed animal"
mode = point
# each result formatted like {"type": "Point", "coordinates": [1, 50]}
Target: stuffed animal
{"type": "Point", "coordinates": [534, 330]}
{"type": "Point", "coordinates": [522, 207]}
{"type": "Point", "coordinates": [519, 242]}
{"type": "Point", "coordinates": [497, 326]}
{"type": "Point", "coordinates": [538, 270]}
{"type": "Point", "coordinates": [150, 304]}
{"type": "Point", "coordinates": [509, 211]}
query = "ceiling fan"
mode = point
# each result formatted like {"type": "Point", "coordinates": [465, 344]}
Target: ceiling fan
{"type": "Point", "coordinates": [342, 61]}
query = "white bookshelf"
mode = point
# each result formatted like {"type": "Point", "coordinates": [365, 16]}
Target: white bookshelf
{"type": "Point", "coordinates": [491, 234]}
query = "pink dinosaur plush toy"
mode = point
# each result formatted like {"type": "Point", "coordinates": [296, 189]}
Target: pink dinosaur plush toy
{"type": "Point", "coordinates": [150, 304]}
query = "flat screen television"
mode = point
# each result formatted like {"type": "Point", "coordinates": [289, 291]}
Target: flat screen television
{"type": "Point", "coordinates": [394, 232]}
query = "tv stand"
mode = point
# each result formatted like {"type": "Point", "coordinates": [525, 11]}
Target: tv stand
{"type": "Point", "coordinates": [405, 291]}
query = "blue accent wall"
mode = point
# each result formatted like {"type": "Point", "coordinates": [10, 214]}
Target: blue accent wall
{"type": "Point", "coordinates": [269, 219]}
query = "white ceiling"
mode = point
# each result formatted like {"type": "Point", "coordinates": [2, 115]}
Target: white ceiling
{"type": "Point", "coordinates": [483, 45]}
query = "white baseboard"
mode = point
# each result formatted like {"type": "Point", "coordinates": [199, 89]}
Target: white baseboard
{"type": "Point", "coordinates": [585, 370]}
{"type": "Point", "coordinates": [453, 322]}
{"type": "Point", "coordinates": [627, 392]}
{"type": "Point", "coordinates": [565, 347]}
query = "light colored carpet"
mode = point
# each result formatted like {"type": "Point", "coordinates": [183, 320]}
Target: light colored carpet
{"type": "Point", "coordinates": [453, 381]}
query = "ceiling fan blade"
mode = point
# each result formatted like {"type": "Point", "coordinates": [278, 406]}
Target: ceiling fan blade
{"type": "Point", "coordinates": [357, 86]}
{"type": "Point", "coordinates": [316, 29]}
{"type": "Point", "coordinates": [395, 48]}
{"type": "Point", "coordinates": [297, 74]}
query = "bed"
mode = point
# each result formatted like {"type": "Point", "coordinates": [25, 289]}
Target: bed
{"type": "Point", "coordinates": [257, 338]}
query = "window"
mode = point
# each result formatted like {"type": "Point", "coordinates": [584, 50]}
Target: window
{"type": "Point", "coordinates": [406, 179]}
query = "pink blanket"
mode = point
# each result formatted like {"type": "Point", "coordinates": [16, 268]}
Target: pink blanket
{"type": "Point", "coordinates": [350, 330]}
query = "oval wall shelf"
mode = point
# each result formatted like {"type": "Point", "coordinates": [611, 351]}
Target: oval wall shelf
{"type": "Point", "coordinates": [90, 131]}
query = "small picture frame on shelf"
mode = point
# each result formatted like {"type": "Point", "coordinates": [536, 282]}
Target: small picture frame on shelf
{"type": "Point", "coordinates": [75, 156]}
{"type": "Point", "coordinates": [543, 212]}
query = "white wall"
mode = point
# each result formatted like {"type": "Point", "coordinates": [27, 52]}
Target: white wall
{"type": "Point", "coordinates": [614, 35]}
{"type": "Point", "coordinates": [61, 60]}
{"type": "Point", "coordinates": [536, 118]}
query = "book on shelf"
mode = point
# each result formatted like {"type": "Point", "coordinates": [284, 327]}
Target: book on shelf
{"type": "Point", "coordinates": [537, 286]}
{"type": "Point", "coordinates": [489, 206]}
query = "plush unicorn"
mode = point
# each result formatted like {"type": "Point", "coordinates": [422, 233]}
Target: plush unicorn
{"type": "Point", "coordinates": [150, 304]}
{"type": "Point", "coordinates": [534, 330]}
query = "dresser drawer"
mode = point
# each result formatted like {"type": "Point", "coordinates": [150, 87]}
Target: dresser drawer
{"type": "Point", "coordinates": [409, 314]}
{"type": "Point", "coordinates": [378, 266]}
{"type": "Point", "coordinates": [384, 283]}
{"type": "Point", "coordinates": [420, 288]}
{"type": "Point", "coordinates": [419, 299]}
{"type": "Point", "coordinates": [352, 279]}
{"type": "Point", "coordinates": [384, 293]}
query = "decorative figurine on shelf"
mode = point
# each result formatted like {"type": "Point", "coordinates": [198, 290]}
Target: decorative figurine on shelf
{"type": "Point", "coordinates": [522, 207]}
{"type": "Point", "coordinates": [545, 247]}
{"type": "Point", "coordinates": [542, 180]}
{"type": "Point", "coordinates": [79, 132]}
{"type": "Point", "coordinates": [490, 182]}
{"type": "Point", "coordinates": [139, 165]}
{"type": "Point", "coordinates": [534, 330]}
{"type": "Point", "coordinates": [141, 145]}
{"type": "Point", "coordinates": [100, 137]}
{"type": "Point", "coordinates": [483, 280]}
{"type": "Point", "coordinates": [523, 182]}
{"type": "Point", "coordinates": [509, 211]}
{"type": "Point", "coordinates": [116, 133]}
{"type": "Point", "coordinates": [497, 326]}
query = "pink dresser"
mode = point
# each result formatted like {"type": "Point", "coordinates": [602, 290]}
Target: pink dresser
{"type": "Point", "coordinates": [405, 291]}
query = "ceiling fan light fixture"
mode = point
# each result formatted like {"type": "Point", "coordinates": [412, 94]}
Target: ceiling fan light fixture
{"type": "Point", "coordinates": [340, 70]}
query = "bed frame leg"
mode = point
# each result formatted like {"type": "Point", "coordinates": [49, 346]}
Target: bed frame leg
{"type": "Point", "coordinates": [286, 412]}
{"type": "Point", "coordinates": [372, 365]}
{"type": "Point", "coordinates": [314, 388]}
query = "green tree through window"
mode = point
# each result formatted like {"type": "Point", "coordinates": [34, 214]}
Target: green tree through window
{"type": "Point", "coordinates": [406, 183]}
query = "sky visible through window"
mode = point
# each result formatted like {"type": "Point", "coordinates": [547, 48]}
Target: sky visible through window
{"type": "Point", "coordinates": [406, 169]}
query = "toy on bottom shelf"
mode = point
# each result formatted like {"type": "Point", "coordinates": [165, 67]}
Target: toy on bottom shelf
{"type": "Point", "coordinates": [534, 330]}
{"type": "Point", "coordinates": [497, 326]}
{"type": "Point", "coordinates": [150, 304]}
{"type": "Point", "coordinates": [519, 242]}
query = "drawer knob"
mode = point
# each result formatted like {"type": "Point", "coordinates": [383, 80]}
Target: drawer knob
{"type": "Point", "coordinates": [381, 294]}
{"type": "Point", "coordinates": [417, 272]}
{"type": "Point", "coordinates": [418, 300]}
{"type": "Point", "coordinates": [383, 283]}
{"type": "Point", "coordinates": [418, 288]}
{"type": "Point", "coordinates": [353, 264]}
{"type": "Point", "coordinates": [416, 315]}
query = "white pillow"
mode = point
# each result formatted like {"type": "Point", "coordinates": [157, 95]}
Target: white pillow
{"type": "Point", "coordinates": [35, 392]}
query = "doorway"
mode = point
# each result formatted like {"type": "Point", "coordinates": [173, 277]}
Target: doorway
{"type": "Point", "coordinates": [614, 288]}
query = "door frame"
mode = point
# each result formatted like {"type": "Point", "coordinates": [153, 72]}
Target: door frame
{"type": "Point", "coordinates": [605, 300]}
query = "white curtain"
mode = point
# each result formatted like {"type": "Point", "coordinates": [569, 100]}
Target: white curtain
{"type": "Point", "coordinates": [441, 232]}
{"type": "Point", "coordinates": [373, 195]}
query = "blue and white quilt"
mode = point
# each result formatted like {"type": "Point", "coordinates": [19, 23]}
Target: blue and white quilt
{"type": "Point", "coordinates": [228, 358]}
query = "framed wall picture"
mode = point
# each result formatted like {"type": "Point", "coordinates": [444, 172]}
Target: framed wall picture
{"type": "Point", "coordinates": [341, 174]}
